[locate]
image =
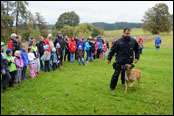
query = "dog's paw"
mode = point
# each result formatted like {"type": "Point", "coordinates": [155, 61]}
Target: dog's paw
{"type": "Point", "coordinates": [130, 86]}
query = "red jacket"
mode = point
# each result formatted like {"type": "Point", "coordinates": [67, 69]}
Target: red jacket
{"type": "Point", "coordinates": [10, 45]}
{"type": "Point", "coordinates": [72, 45]}
{"type": "Point", "coordinates": [140, 40]}
{"type": "Point", "coordinates": [47, 43]}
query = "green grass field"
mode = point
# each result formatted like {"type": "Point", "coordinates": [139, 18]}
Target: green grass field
{"type": "Point", "coordinates": [85, 90]}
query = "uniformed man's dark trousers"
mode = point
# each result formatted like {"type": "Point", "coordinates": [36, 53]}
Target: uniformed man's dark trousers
{"type": "Point", "coordinates": [115, 76]}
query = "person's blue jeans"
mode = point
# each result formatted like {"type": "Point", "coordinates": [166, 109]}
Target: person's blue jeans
{"type": "Point", "coordinates": [71, 57]}
{"type": "Point", "coordinates": [104, 55]}
{"type": "Point", "coordinates": [41, 65]}
{"type": "Point", "coordinates": [47, 66]}
{"type": "Point", "coordinates": [54, 66]}
{"type": "Point", "coordinates": [81, 59]}
{"type": "Point", "coordinates": [24, 73]}
{"type": "Point", "coordinates": [88, 54]}
{"type": "Point", "coordinates": [91, 56]}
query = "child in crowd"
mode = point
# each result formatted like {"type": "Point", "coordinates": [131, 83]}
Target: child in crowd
{"type": "Point", "coordinates": [53, 58]}
{"type": "Point", "coordinates": [11, 64]}
{"type": "Point", "coordinates": [92, 49]}
{"type": "Point", "coordinates": [58, 51]}
{"type": "Point", "coordinates": [5, 69]}
{"type": "Point", "coordinates": [25, 60]}
{"type": "Point", "coordinates": [31, 58]}
{"type": "Point", "coordinates": [80, 55]}
{"type": "Point", "coordinates": [46, 58]}
{"type": "Point", "coordinates": [36, 53]}
{"type": "Point", "coordinates": [19, 65]}
{"type": "Point", "coordinates": [104, 50]}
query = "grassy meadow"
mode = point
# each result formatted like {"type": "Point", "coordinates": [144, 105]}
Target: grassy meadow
{"type": "Point", "coordinates": [84, 90]}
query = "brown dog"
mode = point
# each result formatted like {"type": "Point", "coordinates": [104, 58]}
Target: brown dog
{"type": "Point", "coordinates": [131, 75]}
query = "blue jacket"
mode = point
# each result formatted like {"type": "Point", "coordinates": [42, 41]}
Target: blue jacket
{"type": "Point", "coordinates": [157, 41]}
{"type": "Point", "coordinates": [87, 46]}
{"type": "Point", "coordinates": [99, 42]}
{"type": "Point", "coordinates": [82, 44]}
{"type": "Point", "coordinates": [24, 57]}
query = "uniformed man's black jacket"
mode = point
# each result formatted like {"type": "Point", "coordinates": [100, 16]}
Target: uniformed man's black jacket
{"type": "Point", "coordinates": [124, 49]}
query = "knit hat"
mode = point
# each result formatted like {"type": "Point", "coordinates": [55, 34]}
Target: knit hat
{"type": "Point", "coordinates": [98, 36]}
{"type": "Point", "coordinates": [53, 49]}
{"type": "Point", "coordinates": [59, 32]}
{"type": "Point", "coordinates": [8, 51]}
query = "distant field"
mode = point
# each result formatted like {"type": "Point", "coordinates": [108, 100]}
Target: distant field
{"type": "Point", "coordinates": [84, 90]}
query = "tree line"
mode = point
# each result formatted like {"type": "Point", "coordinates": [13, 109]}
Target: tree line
{"type": "Point", "coordinates": [117, 25]}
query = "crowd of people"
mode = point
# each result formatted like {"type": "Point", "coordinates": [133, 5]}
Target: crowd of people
{"type": "Point", "coordinates": [46, 53]}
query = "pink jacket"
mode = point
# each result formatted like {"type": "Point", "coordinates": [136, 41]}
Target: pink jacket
{"type": "Point", "coordinates": [18, 62]}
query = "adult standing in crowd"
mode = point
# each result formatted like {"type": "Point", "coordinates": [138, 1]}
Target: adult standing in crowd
{"type": "Point", "coordinates": [125, 48]}
{"type": "Point", "coordinates": [77, 40]}
{"type": "Point", "coordinates": [99, 49]}
{"type": "Point", "coordinates": [12, 42]}
{"type": "Point", "coordinates": [59, 39]}
{"type": "Point", "coordinates": [96, 47]}
{"type": "Point", "coordinates": [40, 46]}
{"type": "Point", "coordinates": [5, 69]}
{"type": "Point", "coordinates": [67, 53]}
{"type": "Point", "coordinates": [47, 52]}
{"type": "Point", "coordinates": [87, 49]}
{"type": "Point", "coordinates": [92, 49]}
{"type": "Point", "coordinates": [72, 48]}
{"type": "Point", "coordinates": [158, 43]}
{"type": "Point", "coordinates": [17, 46]}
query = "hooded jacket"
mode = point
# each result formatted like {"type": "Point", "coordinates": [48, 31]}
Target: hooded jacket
{"type": "Point", "coordinates": [18, 62]}
{"type": "Point", "coordinates": [72, 46]}
{"type": "Point", "coordinates": [157, 41]}
{"type": "Point", "coordinates": [87, 46]}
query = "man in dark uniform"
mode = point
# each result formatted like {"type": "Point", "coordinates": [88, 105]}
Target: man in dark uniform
{"type": "Point", "coordinates": [125, 47]}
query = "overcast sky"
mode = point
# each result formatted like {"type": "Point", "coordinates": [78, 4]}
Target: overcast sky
{"type": "Point", "coordinates": [96, 11]}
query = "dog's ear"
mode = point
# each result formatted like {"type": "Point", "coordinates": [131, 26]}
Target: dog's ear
{"type": "Point", "coordinates": [132, 65]}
